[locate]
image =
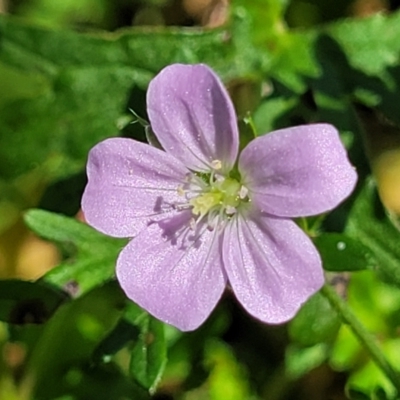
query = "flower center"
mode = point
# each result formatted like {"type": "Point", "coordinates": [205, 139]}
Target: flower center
{"type": "Point", "coordinates": [213, 195]}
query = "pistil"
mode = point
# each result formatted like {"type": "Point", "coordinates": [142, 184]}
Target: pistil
{"type": "Point", "coordinates": [212, 196]}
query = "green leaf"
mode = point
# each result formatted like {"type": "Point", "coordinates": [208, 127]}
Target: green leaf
{"type": "Point", "coordinates": [266, 17]}
{"type": "Point", "coordinates": [93, 257]}
{"type": "Point", "coordinates": [69, 339]}
{"type": "Point", "coordinates": [370, 44]}
{"type": "Point", "coordinates": [355, 394]}
{"type": "Point", "coordinates": [339, 252]}
{"type": "Point", "coordinates": [368, 378]}
{"type": "Point", "coordinates": [101, 382]}
{"type": "Point", "coordinates": [118, 338]}
{"type": "Point", "coordinates": [149, 354]}
{"type": "Point", "coordinates": [24, 302]}
{"type": "Point", "coordinates": [78, 85]}
{"type": "Point", "coordinates": [365, 56]}
{"type": "Point", "coordinates": [268, 115]}
{"type": "Point", "coordinates": [18, 85]}
{"type": "Point", "coordinates": [316, 322]}
{"type": "Point", "coordinates": [356, 58]}
{"type": "Point", "coordinates": [369, 224]}
{"type": "Point", "coordinates": [299, 360]}
{"type": "Point", "coordinates": [228, 377]}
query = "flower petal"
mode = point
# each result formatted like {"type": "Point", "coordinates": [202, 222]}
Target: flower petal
{"type": "Point", "coordinates": [193, 116]}
{"type": "Point", "coordinates": [173, 273]}
{"type": "Point", "coordinates": [129, 185]}
{"type": "Point", "coordinates": [271, 265]}
{"type": "Point", "coordinates": [297, 171]}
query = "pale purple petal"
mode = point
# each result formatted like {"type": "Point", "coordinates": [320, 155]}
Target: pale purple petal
{"type": "Point", "coordinates": [172, 273]}
{"type": "Point", "coordinates": [129, 185]}
{"type": "Point", "coordinates": [193, 117]}
{"type": "Point", "coordinates": [297, 171]}
{"type": "Point", "coordinates": [272, 266]}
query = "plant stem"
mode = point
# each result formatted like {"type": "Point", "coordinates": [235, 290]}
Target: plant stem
{"type": "Point", "coordinates": [363, 335]}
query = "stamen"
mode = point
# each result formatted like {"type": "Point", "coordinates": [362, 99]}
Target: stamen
{"type": "Point", "coordinates": [212, 198]}
{"type": "Point", "coordinates": [230, 210]}
{"type": "Point", "coordinates": [243, 192]}
{"type": "Point", "coordinates": [216, 164]}
{"type": "Point", "coordinates": [181, 207]}
{"type": "Point", "coordinates": [181, 191]}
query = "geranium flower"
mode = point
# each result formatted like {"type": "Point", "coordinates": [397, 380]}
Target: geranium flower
{"type": "Point", "coordinates": [202, 218]}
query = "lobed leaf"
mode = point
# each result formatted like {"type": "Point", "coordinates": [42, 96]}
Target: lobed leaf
{"type": "Point", "coordinates": [94, 254]}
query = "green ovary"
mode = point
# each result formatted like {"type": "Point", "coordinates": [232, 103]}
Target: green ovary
{"type": "Point", "coordinates": [224, 194]}
{"type": "Point", "coordinates": [205, 202]}
{"type": "Point", "coordinates": [230, 190]}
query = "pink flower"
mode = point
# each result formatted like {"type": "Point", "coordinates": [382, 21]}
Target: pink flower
{"type": "Point", "coordinates": [201, 217]}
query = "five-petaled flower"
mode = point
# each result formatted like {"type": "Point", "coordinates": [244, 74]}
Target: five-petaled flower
{"type": "Point", "coordinates": [200, 217]}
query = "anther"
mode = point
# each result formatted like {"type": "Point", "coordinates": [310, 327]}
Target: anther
{"type": "Point", "coordinates": [243, 192]}
{"type": "Point", "coordinates": [230, 210]}
{"type": "Point", "coordinates": [180, 191]}
{"type": "Point", "coordinates": [216, 164]}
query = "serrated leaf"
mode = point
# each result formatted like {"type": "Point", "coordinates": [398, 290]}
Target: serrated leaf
{"type": "Point", "coordinates": [94, 254]}
{"type": "Point", "coordinates": [368, 223]}
{"type": "Point", "coordinates": [339, 252]}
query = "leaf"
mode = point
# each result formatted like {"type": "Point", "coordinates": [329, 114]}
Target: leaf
{"type": "Point", "coordinates": [101, 382]}
{"type": "Point", "coordinates": [69, 339]}
{"type": "Point", "coordinates": [339, 252]}
{"type": "Point", "coordinates": [24, 302]}
{"type": "Point", "coordinates": [79, 85]}
{"type": "Point", "coordinates": [316, 322]}
{"type": "Point", "coordinates": [370, 379]}
{"type": "Point", "coordinates": [271, 111]}
{"type": "Point", "coordinates": [365, 56]}
{"type": "Point", "coordinates": [149, 354]}
{"type": "Point", "coordinates": [353, 57]}
{"type": "Point", "coordinates": [94, 254]}
{"type": "Point", "coordinates": [354, 394]}
{"type": "Point", "coordinates": [119, 337]}
{"type": "Point", "coordinates": [368, 223]}
{"type": "Point", "coordinates": [299, 360]}
{"type": "Point", "coordinates": [370, 44]}
{"type": "Point", "coordinates": [228, 378]}
{"type": "Point", "coordinates": [266, 15]}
